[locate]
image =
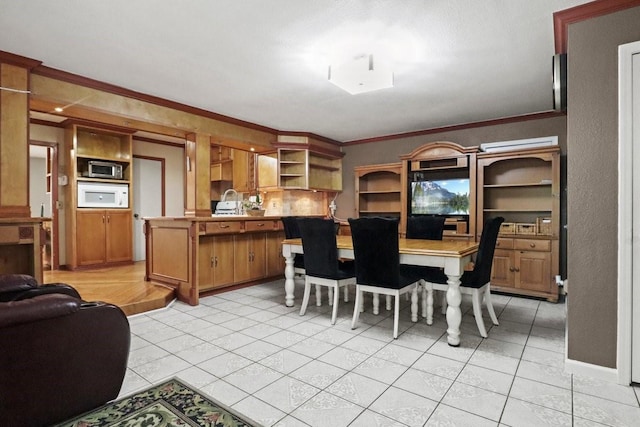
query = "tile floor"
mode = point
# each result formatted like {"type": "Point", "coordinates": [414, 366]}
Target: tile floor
{"type": "Point", "coordinates": [246, 349]}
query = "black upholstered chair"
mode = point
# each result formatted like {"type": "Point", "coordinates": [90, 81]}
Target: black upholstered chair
{"type": "Point", "coordinates": [291, 231]}
{"type": "Point", "coordinates": [429, 227]}
{"type": "Point", "coordinates": [378, 268]}
{"type": "Point", "coordinates": [477, 282]}
{"type": "Point", "coordinates": [425, 227]}
{"type": "Point", "coordinates": [322, 266]}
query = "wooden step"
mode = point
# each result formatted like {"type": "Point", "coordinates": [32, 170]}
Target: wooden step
{"type": "Point", "coordinates": [123, 286]}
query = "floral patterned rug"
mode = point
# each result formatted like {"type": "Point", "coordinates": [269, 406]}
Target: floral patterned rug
{"type": "Point", "coordinates": [171, 403]}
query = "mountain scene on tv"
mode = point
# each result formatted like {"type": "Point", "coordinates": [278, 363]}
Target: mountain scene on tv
{"type": "Point", "coordinates": [447, 197]}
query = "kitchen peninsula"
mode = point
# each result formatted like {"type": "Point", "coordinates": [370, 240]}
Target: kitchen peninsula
{"type": "Point", "coordinates": [195, 255]}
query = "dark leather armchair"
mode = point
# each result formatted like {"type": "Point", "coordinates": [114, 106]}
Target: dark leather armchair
{"type": "Point", "coordinates": [60, 356]}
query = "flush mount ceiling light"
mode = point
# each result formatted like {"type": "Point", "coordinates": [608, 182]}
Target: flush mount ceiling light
{"type": "Point", "coordinates": [361, 75]}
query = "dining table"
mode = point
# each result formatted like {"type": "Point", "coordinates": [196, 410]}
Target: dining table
{"type": "Point", "coordinates": [449, 254]}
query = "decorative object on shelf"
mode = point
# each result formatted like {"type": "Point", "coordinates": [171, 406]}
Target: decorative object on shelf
{"type": "Point", "coordinates": [253, 206]}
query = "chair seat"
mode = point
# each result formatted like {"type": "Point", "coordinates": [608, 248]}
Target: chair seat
{"type": "Point", "coordinates": [437, 276]}
{"type": "Point", "coordinates": [345, 270]}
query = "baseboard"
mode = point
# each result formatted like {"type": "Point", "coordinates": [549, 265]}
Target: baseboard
{"type": "Point", "coordinates": [594, 371]}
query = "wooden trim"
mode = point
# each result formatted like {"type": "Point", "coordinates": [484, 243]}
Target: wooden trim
{"type": "Point", "coordinates": [164, 180]}
{"type": "Point", "coordinates": [485, 123]}
{"type": "Point", "coordinates": [105, 127]}
{"type": "Point", "coordinates": [562, 19]}
{"type": "Point", "coordinates": [46, 123]}
{"type": "Point", "coordinates": [53, 73]}
{"type": "Point", "coordinates": [312, 136]}
{"type": "Point", "coordinates": [157, 141]}
{"type": "Point", "coordinates": [20, 61]}
{"type": "Point", "coordinates": [55, 217]}
{"type": "Point", "coordinates": [311, 148]}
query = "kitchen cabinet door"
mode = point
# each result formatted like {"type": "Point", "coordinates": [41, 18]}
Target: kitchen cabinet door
{"type": "Point", "coordinates": [90, 235]}
{"type": "Point", "coordinates": [249, 260]}
{"type": "Point", "coordinates": [118, 236]}
{"type": "Point", "coordinates": [275, 260]}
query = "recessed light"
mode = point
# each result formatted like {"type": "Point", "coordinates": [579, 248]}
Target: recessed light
{"type": "Point", "coordinates": [58, 109]}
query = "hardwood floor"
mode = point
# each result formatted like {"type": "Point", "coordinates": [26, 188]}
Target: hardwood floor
{"type": "Point", "coordinates": [123, 286]}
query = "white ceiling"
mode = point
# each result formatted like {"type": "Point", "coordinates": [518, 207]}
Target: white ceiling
{"type": "Point", "coordinates": [266, 61]}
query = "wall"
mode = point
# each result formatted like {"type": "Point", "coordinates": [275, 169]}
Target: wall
{"type": "Point", "coordinates": [38, 187]}
{"type": "Point", "coordinates": [592, 130]}
{"type": "Point", "coordinates": [174, 172]}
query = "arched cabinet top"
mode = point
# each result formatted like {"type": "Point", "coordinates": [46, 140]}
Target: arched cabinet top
{"type": "Point", "coordinates": [439, 149]}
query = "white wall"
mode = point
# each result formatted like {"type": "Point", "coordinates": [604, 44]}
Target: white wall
{"type": "Point", "coordinates": [38, 187]}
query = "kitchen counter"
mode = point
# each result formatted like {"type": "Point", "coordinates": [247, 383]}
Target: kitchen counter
{"type": "Point", "coordinates": [195, 255]}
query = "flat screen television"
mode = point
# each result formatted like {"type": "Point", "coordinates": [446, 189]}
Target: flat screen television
{"type": "Point", "coordinates": [440, 197]}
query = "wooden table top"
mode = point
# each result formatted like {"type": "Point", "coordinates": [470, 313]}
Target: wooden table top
{"type": "Point", "coordinates": [446, 248]}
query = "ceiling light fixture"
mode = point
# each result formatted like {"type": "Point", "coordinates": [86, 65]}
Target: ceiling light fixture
{"type": "Point", "coordinates": [361, 75]}
{"type": "Point", "coordinates": [58, 109]}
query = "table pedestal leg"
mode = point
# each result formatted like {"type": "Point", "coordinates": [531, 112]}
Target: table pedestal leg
{"type": "Point", "coordinates": [289, 284]}
{"type": "Point", "coordinates": [414, 304]}
{"type": "Point", "coordinates": [454, 315]}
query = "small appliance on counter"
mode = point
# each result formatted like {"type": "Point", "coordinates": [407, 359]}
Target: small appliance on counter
{"type": "Point", "coordinates": [228, 208]}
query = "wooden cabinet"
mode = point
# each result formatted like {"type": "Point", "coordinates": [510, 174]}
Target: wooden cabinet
{"type": "Point", "coordinates": [97, 236]}
{"type": "Point", "coordinates": [103, 236]}
{"type": "Point", "coordinates": [215, 261]}
{"type": "Point", "coordinates": [523, 187]}
{"type": "Point", "coordinates": [378, 190]}
{"type": "Point", "coordinates": [250, 257]}
{"type": "Point", "coordinates": [275, 260]}
{"type": "Point", "coordinates": [243, 171]}
{"type": "Point", "coordinates": [308, 170]}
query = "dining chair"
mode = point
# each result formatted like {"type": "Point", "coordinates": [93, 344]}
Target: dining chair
{"type": "Point", "coordinates": [291, 231]}
{"type": "Point", "coordinates": [378, 268]}
{"type": "Point", "coordinates": [476, 282]}
{"type": "Point", "coordinates": [322, 266]}
{"type": "Point", "coordinates": [429, 227]}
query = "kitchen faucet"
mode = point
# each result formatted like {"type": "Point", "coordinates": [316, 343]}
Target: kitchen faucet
{"type": "Point", "coordinates": [224, 199]}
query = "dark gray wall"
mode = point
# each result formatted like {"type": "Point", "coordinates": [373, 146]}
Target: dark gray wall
{"type": "Point", "coordinates": [592, 147]}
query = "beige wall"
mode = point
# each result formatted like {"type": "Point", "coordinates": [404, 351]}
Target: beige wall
{"type": "Point", "coordinates": [592, 129]}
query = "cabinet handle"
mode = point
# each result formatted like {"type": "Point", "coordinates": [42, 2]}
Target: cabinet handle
{"type": "Point", "coordinates": [517, 269]}
{"type": "Point", "coordinates": [103, 219]}
{"type": "Point", "coordinates": [224, 226]}
{"type": "Point", "coordinates": [532, 245]}
{"type": "Point", "coordinates": [261, 224]}
{"type": "Point", "coordinates": [212, 262]}
{"type": "Point", "coordinates": [511, 269]}
{"type": "Point", "coordinates": [215, 264]}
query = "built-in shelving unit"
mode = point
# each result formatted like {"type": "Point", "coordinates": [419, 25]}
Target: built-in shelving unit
{"type": "Point", "coordinates": [378, 190]}
{"type": "Point", "coordinates": [523, 187]}
{"type": "Point", "coordinates": [307, 170]}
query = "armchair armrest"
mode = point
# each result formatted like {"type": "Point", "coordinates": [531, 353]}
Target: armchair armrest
{"type": "Point", "coordinates": [47, 288]}
{"type": "Point", "coordinates": [35, 309]}
{"type": "Point", "coordinates": [10, 283]}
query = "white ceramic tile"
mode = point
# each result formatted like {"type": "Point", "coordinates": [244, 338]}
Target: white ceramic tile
{"type": "Point", "coordinates": [398, 354]}
{"type": "Point", "coordinates": [211, 333]}
{"type": "Point", "coordinates": [257, 350]}
{"type": "Point", "coordinates": [496, 362]}
{"type": "Point", "coordinates": [414, 340]}
{"type": "Point", "coordinates": [364, 345]}
{"type": "Point", "coordinates": [462, 353]}
{"type": "Point", "coordinates": [223, 365]}
{"type": "Point", "coordinates": [260, 330]}
{"type": "Point", "coordinates": [253, 377]}
{"type": "Point", "coordinates": [233, 341]}
{"type": "Point", "coordinates": [520, 413]}
{"type": "Point", "coordinates": [475, 400]}
{"type": "Point", "coordinates": [486, 379]}
{"type": "Point", "coordinates": [380, 370]}
{"type": "Point", "coordinates": [549, 396]}
{"type": "Point", "coordinates": [199, 353]}
{"type": "Point", "coordinates": [343, 358]}
{"type": "Point", "coordinates": [285, 361]}
{"type": "Point", "coordinates": [290, 421]}
{"type": "Point", "coordinates": [259, 411]}
{"type": "Point", "coordinates": [403, 406]}
{"type": "Point", "coordinates": [132, 383]}
{"type": "Point", "coordinates": [145, 355]}
{"type": "Point", "coordinates": [311, 347]}
{"type": "Point", "coordinates": [502, 348]}
{"type": "Point", "coordinates": [196, 377]}
{"type": "Point", "coordinates": [318, 374]}
{"type": "Point", "coordinates": [605, 390]}
{"type": "Point", "coordinates": [543, 357]}
{"type": "Point", "coordinates": [369, 418]}
{"type": "Point", "coordinates": [287, 393]}
{"type": "Point", "coordinates": [240, 323]}
{"type": "Point", "coordinates": [224, 392]}
{"type": "Point", "coordinates": [165, 367]}
{"type": "Point", "coordinates": [440, 366]}
{"type": "Point", "coordinates": [285, 339]}
{"type": "Point", "coordinates": [424, 384]}
{"type": "Point", "coordinates": [357, 389]}
{"type": "Point", "coordinates": [180, 343]}
{"type": "Point", "coordinates": [446, 416]}
{"type": "Point", "coordinates": [605, 411]}
{"type": "Point", "coordinates": [552, 375]}
{"type": "Point", "coordinates": [327, 410]}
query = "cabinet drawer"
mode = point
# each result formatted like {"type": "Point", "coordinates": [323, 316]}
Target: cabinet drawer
{"type": "Point", "coordinates": [532, 245]}
{"type": "Point", "coordinates": [266, 225]}
{"type": "Point", "coordinates": [502, 243]}
{"type": "Point", "coordinates": [223, 227]}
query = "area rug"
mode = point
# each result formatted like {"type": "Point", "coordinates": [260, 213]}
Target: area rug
{"type": "Point", "coordinates": [171, 403]}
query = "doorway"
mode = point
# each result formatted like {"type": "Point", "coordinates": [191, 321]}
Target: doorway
{"type": "Point", "coordinates": [629, 214]}
{"type": "Point", "coordinates": [148, 198]}
{"type": "Point", "coordinates": [43, 196]}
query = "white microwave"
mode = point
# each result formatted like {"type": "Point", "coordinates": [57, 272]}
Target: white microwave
{"type": "Point", "coordinates": [100, 195]}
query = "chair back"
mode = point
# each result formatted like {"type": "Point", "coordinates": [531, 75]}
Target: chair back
{"type": "Point", "coordinates": [484, 259]}
{"type": "Point", "coordinates": [319, 246]}
{"type": "Point", "coordinates": [425, 227]}
{"type": "Point", "coordinates": [376, 250]}
{"type": "Point", "coordinates": [290, 224]}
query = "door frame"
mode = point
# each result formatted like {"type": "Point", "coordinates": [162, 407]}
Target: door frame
{"type": "Point", "coordinates": [162, 193]}
{"type": "Point", "coordinates": [626, 240]}
{"type": "Point", "coordinates": [55, 217]}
